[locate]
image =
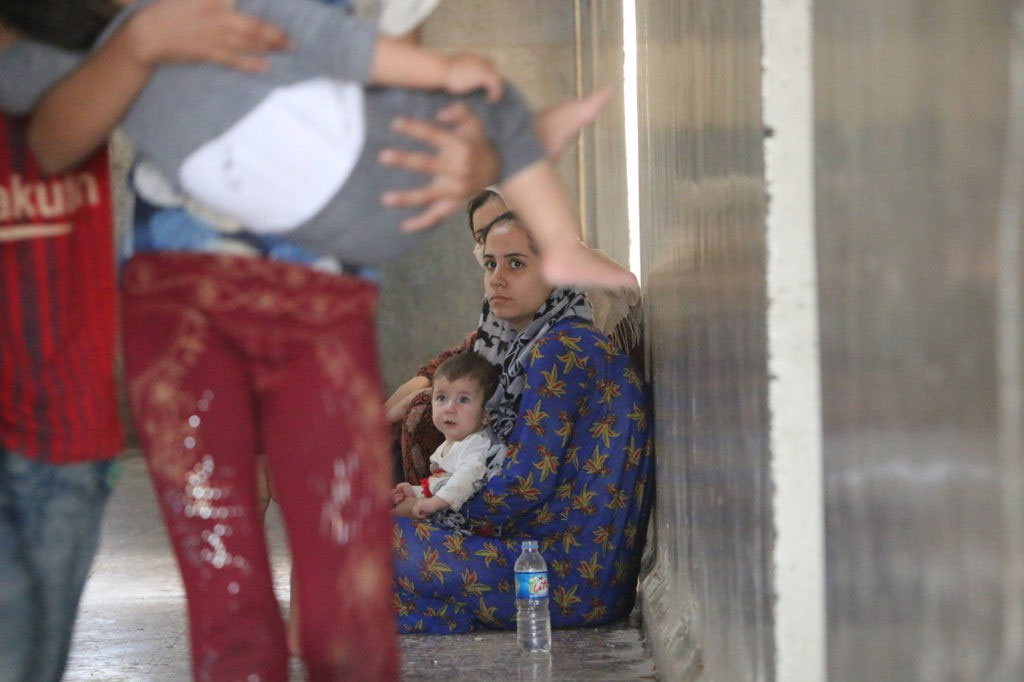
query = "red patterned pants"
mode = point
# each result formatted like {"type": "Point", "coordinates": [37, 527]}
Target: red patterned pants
{"type": "Point", "coordinates": [228, 357]}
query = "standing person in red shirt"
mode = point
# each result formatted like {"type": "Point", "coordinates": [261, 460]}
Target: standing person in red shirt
{"type": "Point", "coordinates": [59, 427]}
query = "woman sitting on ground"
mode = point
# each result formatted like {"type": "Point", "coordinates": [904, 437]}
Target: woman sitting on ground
{"type": "Point", "coordinates": [615, 313]}
{"type": "Point", "coordinates": [570, 466]}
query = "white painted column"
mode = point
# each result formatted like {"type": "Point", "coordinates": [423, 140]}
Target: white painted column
{"type": "Point", "coordinates": [793, 343]}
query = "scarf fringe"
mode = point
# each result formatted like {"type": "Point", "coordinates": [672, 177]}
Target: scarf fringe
{"type": "Point", "coordinates": [628, 331]}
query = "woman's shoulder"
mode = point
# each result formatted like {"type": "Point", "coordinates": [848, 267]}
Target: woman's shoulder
{"type": "Point", "coordinates": [578, 337]}
{"type": "Point", "coordinates": [578, 332]}
{"type": "Point", "coordinates": [592, 347]}
{"type": "Point", "coordinates": [576, 324]}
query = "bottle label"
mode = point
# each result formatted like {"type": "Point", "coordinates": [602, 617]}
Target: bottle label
{"type": "Point", "coordinates": [532, 585]}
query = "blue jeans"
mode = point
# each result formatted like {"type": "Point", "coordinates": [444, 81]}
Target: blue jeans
{"type": "Point", "coordinates": [49, 529]}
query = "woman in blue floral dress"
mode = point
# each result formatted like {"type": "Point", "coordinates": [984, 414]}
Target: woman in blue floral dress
{"type": "Point", "coordinates": [571, 466]}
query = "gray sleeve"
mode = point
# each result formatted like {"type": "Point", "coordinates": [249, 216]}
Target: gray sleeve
{"type": "Point", "coordinates": [327, 43]}
{"type": "Point", "coordinates": [509, 125]}
{"type": "Point", "coordinates": [27, 70]}
{"type": "Point", "coordinates": [327, 40]}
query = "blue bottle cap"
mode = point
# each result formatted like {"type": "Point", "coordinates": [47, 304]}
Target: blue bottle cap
{"type": "Point", "coordinates": [529, 544]}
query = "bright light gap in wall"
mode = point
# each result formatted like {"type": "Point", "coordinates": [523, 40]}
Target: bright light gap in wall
{"type": "Point", "coordinates": [631, 107]}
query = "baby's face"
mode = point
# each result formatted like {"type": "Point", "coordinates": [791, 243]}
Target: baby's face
{"type": "Point", "coordinates": [458, 407]}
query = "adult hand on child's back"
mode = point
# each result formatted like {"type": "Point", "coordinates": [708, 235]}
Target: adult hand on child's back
{"type": "Point", "coordinates": [464, 163]}
{"type": "Point", "coordinates": [205, 30]}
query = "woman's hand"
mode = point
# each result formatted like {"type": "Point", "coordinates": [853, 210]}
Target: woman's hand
{"type": "Point", "coordinates": [464, 163]}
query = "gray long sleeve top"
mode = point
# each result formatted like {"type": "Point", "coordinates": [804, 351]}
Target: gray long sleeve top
{"type": "Point", "coordinates": [185, 106]}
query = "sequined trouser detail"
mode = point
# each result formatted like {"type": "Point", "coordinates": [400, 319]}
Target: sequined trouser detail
{"type": "Point", "coordinates": [228, 357]}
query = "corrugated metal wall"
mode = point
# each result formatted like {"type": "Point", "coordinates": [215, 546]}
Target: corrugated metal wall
{"type": "Point", "coordinates": [919, 292]}
{"type": "Point", "coordinates": [912, 121]}
{"type": "Point", "coordinates": [703, 253]}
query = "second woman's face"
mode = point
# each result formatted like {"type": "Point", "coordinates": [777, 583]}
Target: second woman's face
{"type": "Point", "coordinates": [512, 276]}
{"type": "Point", "coordinates": [485, 213]}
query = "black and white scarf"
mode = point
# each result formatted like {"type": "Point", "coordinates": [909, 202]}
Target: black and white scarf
{"type": "Point", "coordinates": [502, 345]}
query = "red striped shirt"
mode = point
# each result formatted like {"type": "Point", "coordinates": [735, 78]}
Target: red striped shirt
{"type": "Point", "coordinates": [58, 397]}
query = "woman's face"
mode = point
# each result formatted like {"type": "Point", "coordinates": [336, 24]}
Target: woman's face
{"type": "Point", "coordinates": [512, 277]}
{"type": "Point", "coordinates": [485, 213]}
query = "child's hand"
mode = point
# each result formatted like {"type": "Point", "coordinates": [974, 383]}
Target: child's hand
{"type": "Point", "coordinates": [465, 73]}
{"type": "Point", "coordinates": [427, 506]}
{"type": "Point", "coordinates": [401, 492]}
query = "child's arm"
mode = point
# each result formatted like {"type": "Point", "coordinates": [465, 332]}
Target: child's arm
{"type": "Point", "coordinates": [399, 64]}
{"type": "Point", "coordinates": [80, 111]}
{"type": "Point", "coordinates": [428, 505]}
{"type": "Point", "coordinates": [329, 42]}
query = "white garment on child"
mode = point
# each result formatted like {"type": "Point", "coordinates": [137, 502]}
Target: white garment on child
{"type": "Point", "coordinates": [454, 474]}
{"type": "Point", "coordinates": [278, 165]}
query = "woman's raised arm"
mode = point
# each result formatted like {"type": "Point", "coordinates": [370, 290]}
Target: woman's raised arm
{"type": "Point", "coordinates": [397, 405]}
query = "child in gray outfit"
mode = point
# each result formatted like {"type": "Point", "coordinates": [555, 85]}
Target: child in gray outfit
{"type": "Point", "coordinates": [293, 150]}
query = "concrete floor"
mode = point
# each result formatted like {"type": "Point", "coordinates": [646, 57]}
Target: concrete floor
{"type": "Point", "coordinates": [132, 628]}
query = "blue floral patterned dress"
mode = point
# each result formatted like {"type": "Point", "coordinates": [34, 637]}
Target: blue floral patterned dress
{"type": "Point", "coordinates": [578, 477]}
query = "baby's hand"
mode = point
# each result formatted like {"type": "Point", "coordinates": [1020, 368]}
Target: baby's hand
{"type": "Point", "coordinates": [401, 492]}
{"type": "Point", "coordinates": [464, 73]}
{"type": "Point", "coordinates": [427, 506]}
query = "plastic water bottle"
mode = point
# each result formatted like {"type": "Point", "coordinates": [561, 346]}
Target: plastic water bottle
{"type": "Point", "coordinates": [533, 621]}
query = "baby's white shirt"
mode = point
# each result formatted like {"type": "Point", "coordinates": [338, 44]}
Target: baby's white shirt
{"type": "Point", "coordinates": [456, 472]}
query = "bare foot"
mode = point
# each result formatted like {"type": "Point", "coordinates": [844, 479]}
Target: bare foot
{"type": "Point", "coordinates": [579, 265]}
{"type": "Point", "coordinates": [557, 125]}
{"type": "Point", "coordinates": [546, 213]}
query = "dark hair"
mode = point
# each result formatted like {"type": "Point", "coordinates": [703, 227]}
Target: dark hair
{"type": "Point", "coordinates": [70, 24]}
{"type": "Point", "coordinates": [508, 217]}
{"type": "Point", "coordinates": [475, 203]}
{"type": "Point", "coordinates": [472, 365]}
